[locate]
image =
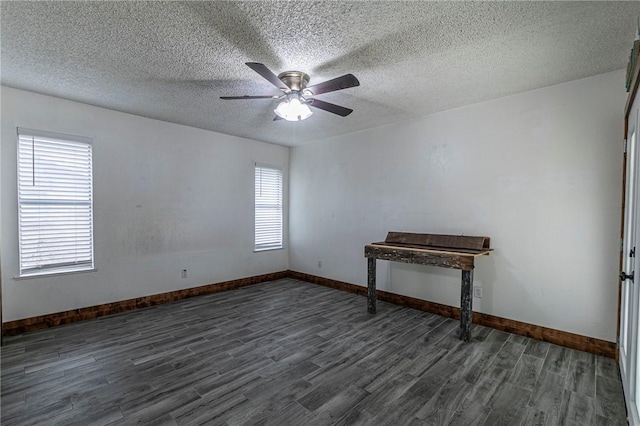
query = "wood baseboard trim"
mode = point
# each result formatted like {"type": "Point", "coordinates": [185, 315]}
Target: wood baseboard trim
{"type": "Point", "coordinates": [558, 337]}
{"type": "Point", "coordinates": [26, 325]}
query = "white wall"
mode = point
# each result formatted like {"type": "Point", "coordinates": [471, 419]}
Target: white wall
{"type": "Point", "coordinates": [167, 197]}
{"type": "Point", "coordinates": [538, 172]}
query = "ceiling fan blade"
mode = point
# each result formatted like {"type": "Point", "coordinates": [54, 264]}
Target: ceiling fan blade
{"type": "Point", "coordinates": [338, 83]}
{"type": "Point", "coordinates": [226, 98]}
{"type": "Point", "coordinates": [327, 106]}
{"type": "Point", "coordinates": [268, 74]}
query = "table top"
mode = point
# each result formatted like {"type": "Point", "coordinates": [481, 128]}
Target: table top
{"type": "Point", "coordinates": [433, 249]}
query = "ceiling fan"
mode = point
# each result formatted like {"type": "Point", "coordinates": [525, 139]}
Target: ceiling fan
{"type": "Point", "coordinates": [297, 97]}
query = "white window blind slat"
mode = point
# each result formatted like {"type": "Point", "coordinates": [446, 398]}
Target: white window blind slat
{"type": "Point", "coordinates": [268, 208]}
{"type": "Point", "coordinates": [55, 198]}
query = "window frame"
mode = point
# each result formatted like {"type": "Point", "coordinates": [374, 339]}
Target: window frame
{"type": "Point", "coordinates": [280, 204]}
{"type": "Point", "coordinates": [59, 268]}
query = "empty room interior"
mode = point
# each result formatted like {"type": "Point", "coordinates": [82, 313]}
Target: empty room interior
{"type": "Point", "coordinates": [319, 213]}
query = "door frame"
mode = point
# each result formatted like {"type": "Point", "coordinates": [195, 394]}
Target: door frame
{"type": "Point", "coordinates": [633, 91]}
{"type": "Point", "coordinates": [627, 342]}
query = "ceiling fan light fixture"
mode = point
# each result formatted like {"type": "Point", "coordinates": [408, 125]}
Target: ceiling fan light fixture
{"type": "Point", "coordinates": [293, 109]}
{"type": "Point", "coordinates": [297, 96]}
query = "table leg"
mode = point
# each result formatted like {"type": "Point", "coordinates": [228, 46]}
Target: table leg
{"type": "Point", "coordinates": [466, 305]}
{"type": "Point", "coordinates": [371, 285]}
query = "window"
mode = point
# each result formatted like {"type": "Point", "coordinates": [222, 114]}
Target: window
{"type": "Point", "coordinates": [268, 232]}
{"type": "Point", "coordinates": [55, 203]}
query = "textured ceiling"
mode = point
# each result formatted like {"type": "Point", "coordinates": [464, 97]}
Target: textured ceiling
{"type": "Point", "coordinates": [172, 60]}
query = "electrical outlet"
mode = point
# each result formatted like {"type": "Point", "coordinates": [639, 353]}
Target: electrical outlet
{"type": "Point", "coordinates": [184, 273]}
{"type": "Point", "coordinates": [319, 263]}
{"type": "Point", "coordinates": [477, 291]}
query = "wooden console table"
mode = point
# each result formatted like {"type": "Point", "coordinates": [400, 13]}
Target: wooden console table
{"type": "Point", "coordinates": [447, 251]}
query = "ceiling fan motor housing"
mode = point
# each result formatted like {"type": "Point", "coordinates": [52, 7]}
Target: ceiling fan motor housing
{"type": "Point", "coordinates": [296, 80]}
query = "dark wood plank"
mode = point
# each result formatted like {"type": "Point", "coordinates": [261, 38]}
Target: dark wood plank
{"type": "Point", "coordinates": [537, 348]}
{"type": "Point", "coordinates": [441, 408]}
{"type": "Point", "coordinates": [606, 421]}
{"type": "Point", "coordinates": [473, 364]}
{"type": "Point", "coordinates": [384, 397]}
{"type": "Point", "coordinates": [521, 340]}
{"type": "Point", "coordinates": [470, 414]}
{"type": "Point", "coordinates": [607, 367]}
{"type": "Point", "coordinates": [548, 395]}
{"type": "Point", "coordinates": [371, 285]}
{"type": "Point", "coordinates": [534, 417]}
{"type": "Point", "coordinates": [509, 355]}
{"type": "Point", "coordinates": [397, 254]}
{"type": "Point", "coordinates": [466, 305]}
{"type": "Point", "coordinates": [438, 240]}
{"type": "Point", "coordinates": [207, 409]}
{"type": "Point", "coordinates": [506, 406]}
{"type": "Point", "coordinates": [581, 378]}
{"type": "Point", "coordinates": [610, 399]}
{"type": "Point", "coordinates": [98, 417]}
{"type": "Point", "coordinates": [494, 342]}
{"type": "Point", "coordinates": [577, 410]}
{"type": "Point", "coordinates": [424, 341]}
{"type": "Point", "coordinates": [525, 373]}
{"type": "Point", "coordinates": [36, 415]}
{"type": "Point", "coordinates": [435, 249]}
{"type": "Point", "coordinates": [340, 403]}
{"type": "Point", "coordinates": [557, 360]}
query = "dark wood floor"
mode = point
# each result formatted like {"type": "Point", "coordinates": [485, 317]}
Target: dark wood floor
{"type": "Point", "coordinates": [293, 353]}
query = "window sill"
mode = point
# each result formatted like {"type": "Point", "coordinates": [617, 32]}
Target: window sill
{"type": "Point", "coordinates": [268, 249]}
{"type": "Point", "coordinates": [52, 274]}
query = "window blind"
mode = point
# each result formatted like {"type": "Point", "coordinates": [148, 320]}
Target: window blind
{"type": "Point", "coordinates": [55, 202]}
{"type": "Point", "coordinates": [268, 208]}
